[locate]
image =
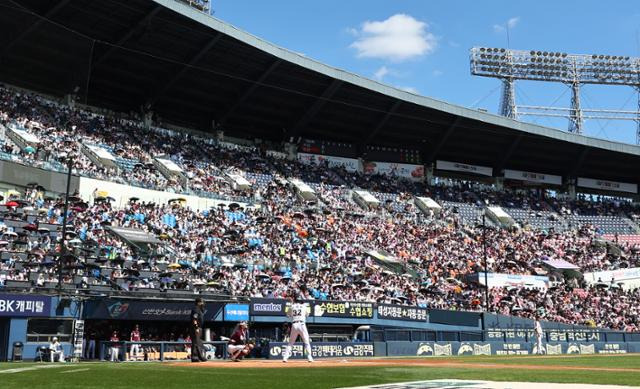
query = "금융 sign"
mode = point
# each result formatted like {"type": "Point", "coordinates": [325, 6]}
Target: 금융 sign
{"type": "Point", "coordinates": [18, 305]}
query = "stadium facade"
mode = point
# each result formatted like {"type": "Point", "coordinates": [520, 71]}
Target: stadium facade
{"type": "Point", "coordinates": [162, 58]}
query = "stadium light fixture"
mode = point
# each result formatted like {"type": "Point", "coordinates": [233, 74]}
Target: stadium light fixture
{"type": "Point", "coordinates": [573, 70]}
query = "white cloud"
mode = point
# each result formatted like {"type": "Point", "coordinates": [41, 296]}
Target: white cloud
{"type": "Point", "coordinates": [351, 31]}
{"type": "Point", "coordinates": [511, 24]}
{"type": "Point", "coordinates": [398, 38]}
{"type": "Point", "coordinates": [380, 73]}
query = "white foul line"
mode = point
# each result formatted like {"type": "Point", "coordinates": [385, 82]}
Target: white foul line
{"type": "Point", "coordinates": [21, 369]}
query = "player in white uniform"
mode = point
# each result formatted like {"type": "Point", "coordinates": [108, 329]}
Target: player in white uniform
{"type": "Point", "coordinates": [539, 334]}
{"type": "Point", "coordinates": [298, 312]}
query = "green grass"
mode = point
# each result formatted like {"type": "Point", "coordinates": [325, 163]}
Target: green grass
{"type": "Point", "coordinates": [165, 376]}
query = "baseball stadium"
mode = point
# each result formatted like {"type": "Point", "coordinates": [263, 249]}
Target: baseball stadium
{"type": "Point", "coordinates": [184, 204]}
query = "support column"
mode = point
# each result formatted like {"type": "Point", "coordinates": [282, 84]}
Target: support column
{"type": "Point", "coordinates": [508, 102]}
{"type": "Point", "coordinates": [428, 173]}
{"type": "Point", "coordinates": [571, 191]}
{"type": "Point", "coordinates": [575, 115]}
{"type": "Point", "coordinates": [499, 183]}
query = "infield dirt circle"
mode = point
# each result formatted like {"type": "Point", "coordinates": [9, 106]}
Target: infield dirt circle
{"type": "Point", "coordinates": [417, 362]}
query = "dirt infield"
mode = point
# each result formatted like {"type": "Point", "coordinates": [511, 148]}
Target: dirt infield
{"type": "Point", "coordinates": [416, 362]}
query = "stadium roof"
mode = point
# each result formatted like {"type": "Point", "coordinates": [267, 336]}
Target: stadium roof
{"type": "Point", "coordinates": [194, 69]}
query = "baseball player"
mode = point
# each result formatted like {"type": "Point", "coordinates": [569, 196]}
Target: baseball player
{"type": "Point", "coordinates": [134, 353]}
{"type": "Point", "coordinates": [298, 312]}
{"type": "Point", "coordinates": [539, 333]}
{"type": "Point", "coordinates": [239, 345]}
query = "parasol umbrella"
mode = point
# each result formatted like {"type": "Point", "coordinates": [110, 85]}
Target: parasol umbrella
{"type": "Point", "coordinates": [213, 283]}
{"type": "Point", "coordinates": [43, 230]}
{"type": "Point", "coordinates": [174, 266]}
{"type": "Point", "coordinates": [3, 243]}
{"type": "Point", "coordinates": [30, 227]}
{"type": "Point", "coordinates": [29, 150]}
{"type": "Point", "coordinates": [263, 276]}
{"type": "Point", "coordinates": [75, 199]}
{"type": "Point", "coordinates": [10, 233]}
{"type": "Point", "coordinates": [233, 206]}
{"type": "Point", "coordinates": [11, 204]}
{"type": "Point", "coordinates": [133, 199]}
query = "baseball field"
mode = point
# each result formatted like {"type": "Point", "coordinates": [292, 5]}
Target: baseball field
{"type": "Point", "coordinates": [623, 370]}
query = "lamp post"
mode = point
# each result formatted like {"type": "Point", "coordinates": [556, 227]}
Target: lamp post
{"type": "Point", "coordinates": [63, 243]}
{"type": "Point", "coordinates": [484, 257]}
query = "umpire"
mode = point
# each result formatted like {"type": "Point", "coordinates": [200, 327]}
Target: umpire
{"type": "Point", "coordinates": [197, 319]}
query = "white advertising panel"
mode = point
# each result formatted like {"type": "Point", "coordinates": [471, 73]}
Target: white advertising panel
{"type": "Point", "coordinates": [630, 278]}
{"type": "Point", "coordinates": [404, 170]}
{"type": "Point", "coordinates": [497, 280]}
{"type": "Point", "coordinates": [350, 164]}
{"type": "Point", "coordinates": [465, 168]}
{"type": "Point", "coordinates": [607, 185]}
{"type": "Point", "coordinates": [540, 178]}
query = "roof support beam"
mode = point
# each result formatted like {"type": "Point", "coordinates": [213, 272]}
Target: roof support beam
{"type": "Point", "coordinates": [247, 93]}
{"type": "Point", "coordinates": [48, 14]}
{"type": "Point", "coordinates": [383, 121]}
{"type": "Point", "coordinates": [188, 64]}
{"type": "Point", "coordinates": [125, 37]}
{"type": "Point", "coordinates": [507, 156]}
{"type": "Point", "coordinates": [582, 155]}
{"type": "Point", "coordinates": [310, 113]}
{"type": "Point", "coordinates": [443, 139]}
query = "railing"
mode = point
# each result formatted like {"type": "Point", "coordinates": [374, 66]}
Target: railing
{"type": "Point", "coordinates": [159, 351]}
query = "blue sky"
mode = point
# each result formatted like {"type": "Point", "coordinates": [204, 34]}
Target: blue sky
{"type": "Point", "coordinates": [423, 46]}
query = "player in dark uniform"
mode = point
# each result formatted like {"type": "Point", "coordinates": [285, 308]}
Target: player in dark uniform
{"type": "Point", "coordinates": [239, 344]}
{"type": "Point", "coordinates": [197, 320]}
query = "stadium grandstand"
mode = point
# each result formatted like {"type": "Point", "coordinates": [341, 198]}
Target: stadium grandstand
{"type": "Point", "coordinates": [205, 161]}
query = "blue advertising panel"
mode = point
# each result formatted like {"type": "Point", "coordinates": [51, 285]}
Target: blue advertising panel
{"type": "Point", "coordinates": [22, 305]}
{"type": "Point", "coordinates": [236, 312]}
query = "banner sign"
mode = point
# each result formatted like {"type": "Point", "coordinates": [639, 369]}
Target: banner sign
{"type": "Point", "coordinates": [345, 309]}
{"type": "Point", "coordinates": [19, 305]}
{"type": "Point", "coordinates": [404, 170]}
{"type": "Point", "coordinates": [629, 277]}
{"type": "Point", "coordinates": [349, 164]}
{"type": "Point", "coordinates": [323, 350]}
{"type": "Point", "coordinates": [267, 307]}
{"type": "Point", "coordinates": [528, 334]}
{"type": "Point", "coordinates": [438, 349]}
{"type": "Point", "coordinates": [401, 312]}
{"type": "Point", "coordinates": [607, 185]}
{"type": "Point", "coordinates": [120, 309]}
{"type": "Point", "coordinates": [465, 168]}
{"type": "Point", "coordinates": [538, 178]}
{"type": "Point", "coordinates": [236, 312]}
{"type": "Point", "coordinates": [505, 280]}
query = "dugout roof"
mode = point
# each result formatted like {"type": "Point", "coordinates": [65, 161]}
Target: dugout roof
{"type": "Point", "coordinates": [193, 69]}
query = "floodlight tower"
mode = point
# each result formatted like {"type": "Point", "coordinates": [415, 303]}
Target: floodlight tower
{"type": "Point", "coordinates": [573, 70]}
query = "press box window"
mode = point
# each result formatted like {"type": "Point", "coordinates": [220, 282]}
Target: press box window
{"type": "Point", "coordinates": [43, 330]}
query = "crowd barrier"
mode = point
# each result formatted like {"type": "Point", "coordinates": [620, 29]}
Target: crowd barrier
{"type": "Point", "coordinates": [158, 351]}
